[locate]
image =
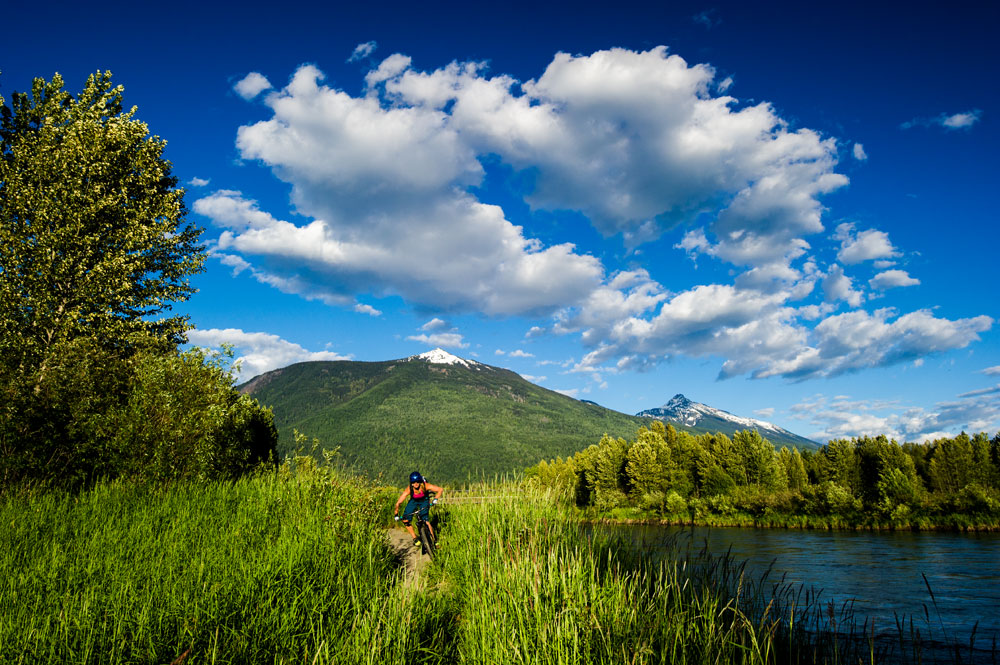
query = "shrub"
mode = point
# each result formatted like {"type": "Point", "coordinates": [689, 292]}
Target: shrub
{"type": "Point", "coordinates": [142, 414]}
{"type": "Point", "coordinates": [674, 504]}
{"type": "Point", "coordinates": [976, 499]}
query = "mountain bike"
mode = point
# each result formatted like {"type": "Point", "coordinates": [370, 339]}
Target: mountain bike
{"type": "Point", "coordinates": [428, 541]}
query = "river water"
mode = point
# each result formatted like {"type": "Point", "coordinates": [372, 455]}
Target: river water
{"type": "Point", "coordinates": [947, 583]}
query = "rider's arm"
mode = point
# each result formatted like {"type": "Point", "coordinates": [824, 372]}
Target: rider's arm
{"type": "Point", "coordinates": [400, 500]}
{"type": "Point", "coordinates": [438, 491]}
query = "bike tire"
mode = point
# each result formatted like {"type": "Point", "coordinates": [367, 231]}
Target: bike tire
{"type": "Point", "coordinates": [427, 543]}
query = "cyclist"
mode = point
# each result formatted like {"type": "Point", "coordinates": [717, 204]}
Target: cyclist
{"type": "Point", "coordinates": [418, 492]}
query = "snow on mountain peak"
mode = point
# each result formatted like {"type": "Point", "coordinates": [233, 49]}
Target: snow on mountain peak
{"type": "Point", "coordinates": [690, 413]}
{"type": "Point", "coordinates": [441, 357]}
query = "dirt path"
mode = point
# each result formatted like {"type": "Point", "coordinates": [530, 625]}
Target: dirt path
{"type": "Point", "coordinates": [413, 560]}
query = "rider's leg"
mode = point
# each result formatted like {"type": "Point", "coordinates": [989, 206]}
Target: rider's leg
{"type": "Point", "coordinates": [408, 511]}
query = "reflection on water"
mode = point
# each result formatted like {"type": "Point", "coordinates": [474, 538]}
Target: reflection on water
{"type": "Point", "coordinates": [885, 574]}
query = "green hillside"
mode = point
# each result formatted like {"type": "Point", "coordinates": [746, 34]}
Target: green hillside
{"type": "Point", "coordinates": [451, 422]}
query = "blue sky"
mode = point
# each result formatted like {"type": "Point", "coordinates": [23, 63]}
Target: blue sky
{"type": "Point", "coordinates": [783, 211]}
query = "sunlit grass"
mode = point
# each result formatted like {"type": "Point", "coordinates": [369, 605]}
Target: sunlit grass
{"type": "Point", "coordinates": [538, 587]}
{"type": "Point", "coordinates": [295, 567]}
{"type": "Point", "coordinates": [261, 570]}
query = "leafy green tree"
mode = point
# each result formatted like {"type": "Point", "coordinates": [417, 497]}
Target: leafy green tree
{"type": "Point", "coordinates": [93, 236]}
{"type": "Point", "coordinates": [760, 465]}
{"type": "Point", "coordinates": [649, 463]}
{"type": "Point", "coordinates": [183, 419]}
{"type": "Point", "coordinates": [609, 482]}
{"type": "Point", "coordinates": [720, 454]}
{"type": "Point", "coordinates": [920, 453]}
{"type": "Point", "coordinates": [557, 474]}
{"type": "Point", "coordinates": [952, 465]}
{"type": "Point", "coordinates": [62, 428]}
{"type": "Point", "coordinates": [898, 491]}
{"type": "Point", "coordinates": [995, 459]}
{"type": "Point", "coordinates": [94, 251]}
{"type": "Point", "coordinates": [585, 464]}
{"type": "Point", "coordinates": [838, 463]}
{"type": "Point", "coordinates": [982, 467]}
{"type": "Point", "coordinates": [715, 481]}
{"type": "Point", "coordinates": [795, 470]}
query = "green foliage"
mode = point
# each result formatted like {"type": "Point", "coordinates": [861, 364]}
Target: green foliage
{"type": "Point", "coordinates": [898, 492]}
{"type": "Point", "coordinates": [794, 468]}
{"type": "Point", "coordinates": [94, 251]}
{"type": "Point", "coordinates": [150, 416]}
{"type": "Point", "coordinates": [183, 419]}
{"type": "Point", "coordinates": [758, 461]}
{"type": "Point", "coordinates": [61, 427]}
{"type": "Point", "coordinates": [93, 237]}
{"type": "Point", "coordinates": [717, 481]}
{"type": "Point", "coordinates": [861, 482]}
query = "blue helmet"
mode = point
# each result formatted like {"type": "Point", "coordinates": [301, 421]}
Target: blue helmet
{"type": "Point", "coordinates": [415, 477]}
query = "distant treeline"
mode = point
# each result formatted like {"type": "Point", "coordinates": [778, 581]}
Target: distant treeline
{"type": "Point", "coordinates": [712, 479]}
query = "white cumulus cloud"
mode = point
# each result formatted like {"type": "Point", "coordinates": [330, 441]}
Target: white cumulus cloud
{"type": "Point", "coordinates": [634, 140]}
{"type": "Point", "coordinates": [891, 279]}
{"type": "Point", "coordinates": [385, 190]}
{"type": "Point", "coordinates": [258, 352]}
{"type": "Point", "coordinates": [843, 417]}
{"type": "Point", "coordinates": [949, 121]}
{"type": "Point", "coordinates": [251, 85]}
{"type": "Point", "coordinates": [961, 120]}
{"type": "Point", "coordinates": [362, 308]}
{"type": "Point", "coordinates": [838, 286]}
{"type": "Point", "coordinates": [864, 246]}
{"type": "Point", "coordinates": [759, 334]}
{"type": "Point", "coordinates": [458, 255]}
{"type": "Point", "coordinates": [436, 325]}
{"type": "Point", "coordinates": [445, 340]}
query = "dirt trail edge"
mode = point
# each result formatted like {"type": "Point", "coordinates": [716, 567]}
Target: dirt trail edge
{"type": "Point", "coordinates": [413, 560]}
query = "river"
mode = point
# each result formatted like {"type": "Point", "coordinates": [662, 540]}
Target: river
{"type": "Point", "coordinates": [885, 574]}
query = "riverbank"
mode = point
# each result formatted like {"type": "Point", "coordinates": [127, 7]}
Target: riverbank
{"type": "Point", "coordinates": [624, 516]}
{"type": "Point", "coordinates": [804, 525]}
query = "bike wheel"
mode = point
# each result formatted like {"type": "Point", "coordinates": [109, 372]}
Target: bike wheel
{"type": "Point", "coordinates": [427, 543]}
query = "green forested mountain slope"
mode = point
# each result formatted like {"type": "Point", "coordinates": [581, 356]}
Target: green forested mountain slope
{"type": "Point", "coordinates": [449, 421]}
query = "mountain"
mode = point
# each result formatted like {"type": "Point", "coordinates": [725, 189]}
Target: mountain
{"type": "Point", "coordinates": [445, 416]}
{"type": "Point", "coordinates": [703, 418]}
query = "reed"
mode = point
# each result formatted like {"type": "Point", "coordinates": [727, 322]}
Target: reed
{"type": "Point", "coordinates": [535, 585]}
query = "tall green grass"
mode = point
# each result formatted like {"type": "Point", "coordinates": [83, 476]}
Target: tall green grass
{"type": "Point", "coordinates": [537, 587]}
{"type": "Point", "coordinates": [295, 567]}
{"type": "Point", "coordinates": [267, 569]}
